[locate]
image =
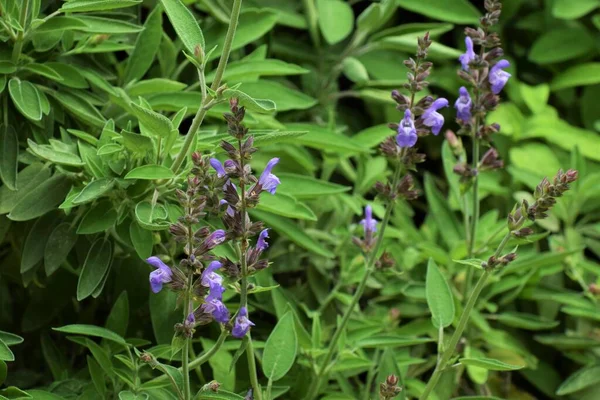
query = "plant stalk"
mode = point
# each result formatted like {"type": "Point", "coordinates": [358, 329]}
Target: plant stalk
{"type": "Point", "coordinates": [370, 262]}
{"type": "Point", "coordinates": [462, 323]}
{"type": "Point", "coordinates": [201, 113]}
{"type": "Point", "coordinates": [19, 39]}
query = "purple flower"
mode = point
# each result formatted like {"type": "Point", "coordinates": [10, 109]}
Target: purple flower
{"type": "Point", "coordinates": [215, 239]}
{"type": "Point", "coordinates": [191, 319]}
{"type": "Point", "coordinates": [463, 105]}
{"type": "Point", "coordinates": [261, 243]}
{"type": "Point", "coordinates": [407, 133]}
{"type": "Point", "coordinates": [434, 119]}
{"type": "Point", "coordinates": [267, 180]}
{"type": "Point", "coordinates": [216, 308]}
{"type": "Point", "coordinates": [242, 324]}
{"type": "Point", "coordinates": [218, 167]}
{"type": "Point", "coordinates": [369, 223]}
{"type": "Point", "coordinates": [209, 277]}
{"type": "Point", "coordinates": [469, 55]}
{"type": "Point", "coordinates": [498, 77]}
{"type": "Point", "coordinates": [162, 274]}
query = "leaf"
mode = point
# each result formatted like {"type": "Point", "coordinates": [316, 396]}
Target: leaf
{"type": "Point", "coordinates": [280, 349]}
{"type": "Point", "coordinates": [439, 296]}
{"type": "Point", "coordinates": [578, 75]}
{"type": "Point", "coordinates": [285, 205]}
{"type": "Point", "coordinates": [220, 395]}
{"type": "Point", "coordinates": [536, 97]}
{"type": "Point", "coordinates": [157, 124]}
{"type": "Point", "coordinates": [96, 5]}
{"type": "Point", "coordinates": [250, 103]}
{"type": "Point", "coordinates": [525, 321]}
{"type": "Point", "coordinates": [286, 228]}
{"type": "Point", "coordinates": [580, 380]}
{"type": "Point", "coordinates": [9, 154]}
{"type": "Point", "coordinates": [29, 178]}
{"type": "Point", "coordinates": [150, 172]}
{"type": "Point", "coordinates": [561, 45]}
{"type": "Point", "coordinates": [43, 198]}
{"type": "Point", "coordinates": [80, 108]}
{"type": "Point", "coordinates": [118, 319]}
{"type": "Point", "coordinates": [60, 23]}
{"type": "Point", "coordinates": [93, 190]}
{"type": "Point", "coordinates": [142, 240]}
{"type": "Point", "coordinates": [151, 218]}
{"type": "Point", "coordinates": [564, 342]}
{"type": "Point", "coordinates": [59, 245]}
{"type": "Point", "coordinates": [91, 330]}
{"type": "Point", "coordinates": [33, 250]}
{"type": "Point", "coordinates": [355, 70]}
{"type": "Point", "coordinates": [324, 139]}
{"type": "Point", "coordinates": [336, 19]}
{"type": "Point", "coordinates": [567, 9]}
{"type": "Point", "coordinates": [43, 395]}
{"type": "Point", "coordinates": [146, 46]}
{"type": "Point", "coordinates": [489, 364]}
{"type": "Point", "coordinates": [69, 75]}
{"type": "Point", "coordinates": [5, 353]}
{"type": "Point", "coordinates": [46, 152]}
{"type": "Point", "coordinates": [307, 187]}
{"type": "Point", "coordinates": [98, 219]}
{"type": "Point", "coordinates": [95, 266]}
{"type": "Point", "coordinates": [391, 341]}
{"type": "Point", "coordinates": [240, 70]}
{"type": "Point", "coordinates": [455, 11]}
{"type": "Point", "coordinates": [283, 96]}
{"type": "Point", "coordinates": [107, 26]}
{"type": "Point", "coordinates": [440, 210]}
{"type": "Point", "coordinates": [26, 98]}
{"type": "Point", "coordinates": [185, 25]}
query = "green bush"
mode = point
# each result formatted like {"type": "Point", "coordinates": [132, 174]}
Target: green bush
{"type": "Point", "coordinates": [110, 108]}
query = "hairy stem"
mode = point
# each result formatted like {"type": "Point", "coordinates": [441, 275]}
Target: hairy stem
{"type": "Point", "coordinates": [201, 113]}
{"type": "Point", "coordinates": [462, 323]}
{"type": "Point", "coordinates": [20, 35]}
{"type": "Point", "coordinates": [370, 262]}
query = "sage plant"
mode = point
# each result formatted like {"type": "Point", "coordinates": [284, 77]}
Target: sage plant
{"type": "Point", "coordinates": [420, 118]}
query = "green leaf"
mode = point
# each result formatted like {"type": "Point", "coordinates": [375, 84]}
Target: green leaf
{"type": "Point", "coordinates": [146, 46]}
{"type": "Point", "coordinates": [355, 70]}
{"type": "Point", "coordinates": [43, 198]}
{"type": "Point", "coordinates": [455, 11]}
{"type": "Point", "coordinates": [525, 321]}
{"type": "Point", "coordinates": [43, 395]}
{"type": "Point", "coordinates": [567, 9]}
{"type": "Point", "coordinates": [60, 24]}
{"type": "Point", "coordinates": [59, 245]}
{"type": "Point", "coordinates": [324, 139]}
{"type": "Point", "coordinates": [5, 353]}
{"type": "Point", "coordinates": [107, 26]}
{"type": "Point", "coordinates": [580, 380]}
{"type": "Point", "coordinates": [307, 187]}
{"type": "Point", "coordinates": [33, 250]}
{"type": "Point", "coordinates": [280, 349]}
{"type": "Point", "coordinates": [98, 219]}
{"type": "Point", "coordinates": [251, 104]}
{"type": "Point", "coordinates": [561, 45]}
{"type": "Point", "coordinates": [439, 296]}
{"type": "Point", "coordinates": [69, 75]}
{"type": "Point", "coordinates": [285, 205]}
{"type": "Point", "coordinates": [142, 240]}
{"type": "Point", "coordinates": [93, 190]}
{"type": "Point", "coordinates": [47, 152]}
{"type": "Point", "coordinates": [391, 341]}
{"type": "Point", "coordinates": [536, 97]}
{"type": "Point", "coordinates": [185, 25]}
{"type": "Point", "coordinates": [151, 218]}
{"type": "Point", "coordinates": [28, 179]}
{"type": "Point", "coordinates": [97, 5]}
{"type": "Point", "coordinates": [564, 342]}
{"type": "Point", "coordinates": [150, 172]}
{"type": "Point", "coordinates": [94, 268]}
{"type": "Point", "coordinates": [9, 154]}
{"type": "Point", "coordinates": [91, 330]}
{"type": "Point", "coordinates": [440, 210]}
{"type": "Point", "coordinates": [283, 96]}
{"type": "Point", "coordinates": [286, 228]}
{"type": "Point", "coordinates": [118, 319]}
{"type": "Point", "coordinates": [10, 338]}
{"type": "Point", "coordinates": [239, 70]}
{"type": "Point", "coordinates": [156, 124]}
{"type": "Point", "coordinates": [489, 364]}
{"type": "Point", "coordinates": [336, 19]}
{"type": "Point", "coordinates": [26, 98]}
{"type": "Point", "coordinates": [80, 108]}
{"type": "Point", "coordinates": [578, 75]}
{"type": "Point", "coordinates": [220, 395]}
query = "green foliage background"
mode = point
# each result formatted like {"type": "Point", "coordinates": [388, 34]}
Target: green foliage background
{"type": "Point", "coordinates": [98, 86]}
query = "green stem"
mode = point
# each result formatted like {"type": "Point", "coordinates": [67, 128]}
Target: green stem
{"type": "Point", "coordinates": [201, 113]}
{"type": "Point", "coordinates": [462, 323]}
{"type": "Point", "coordinates": [311, 20]}
{"type": "Point", "coordinates": [316, 383]}
{"type": "Point", "coordinates": [19, 40]}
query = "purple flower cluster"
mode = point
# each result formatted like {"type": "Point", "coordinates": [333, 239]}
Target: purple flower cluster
{"type": "Point", "coordinates": [242, 324]}
{"type": "Point", "coordinates": [369, 223]}
{"type": "Point", "coordinates": [407, 132]}
{"type": "Point", "coordinates": [161, 275]}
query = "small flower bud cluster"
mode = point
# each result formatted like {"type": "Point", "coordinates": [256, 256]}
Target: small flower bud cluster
{"type": "Point", "coordinates": [485, 74]}
{"type": "Point", "coordinates": [389, 389]}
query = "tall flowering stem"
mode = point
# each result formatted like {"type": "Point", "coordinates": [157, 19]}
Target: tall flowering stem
{"type": "Point", "coordinates": [545, 196]}
{"type": "Point", "coordinates": [484, 74]}
{"type": "Point", "coordinates": [400, 150]}
{"type": "Point", "coordinates": [234, 207]}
